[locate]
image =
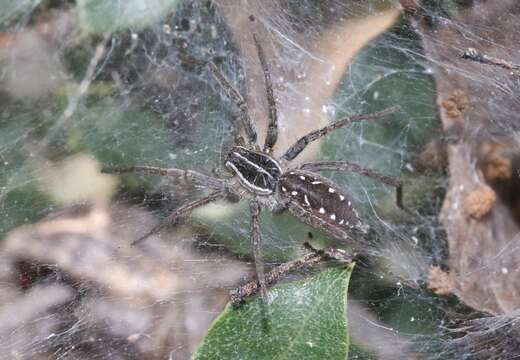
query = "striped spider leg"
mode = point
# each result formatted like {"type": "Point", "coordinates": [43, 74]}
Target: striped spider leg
{"type": "Point", "coordinates": [312, 256]}
{"type": "Point", "coordinates": [221, 190]}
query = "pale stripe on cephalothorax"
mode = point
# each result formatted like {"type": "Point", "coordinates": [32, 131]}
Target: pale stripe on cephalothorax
{"type": "Point", "coordinates": [257, 188]}
{"type": "Point", "coordinates": [254, 165]}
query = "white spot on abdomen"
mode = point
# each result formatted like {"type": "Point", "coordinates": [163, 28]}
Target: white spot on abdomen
{"type": "Point", "coordinates": [332, 191]}
{"type": "Point", "coordinates": [322, 211]}
{"type": "Point", "coordinates": [333, 217]}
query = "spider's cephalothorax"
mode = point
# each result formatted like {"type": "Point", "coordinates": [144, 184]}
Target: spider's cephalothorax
{"type": "Point", "coordinates": [257, 171]}
{"type": "Point", "coordinates": [310, 197]}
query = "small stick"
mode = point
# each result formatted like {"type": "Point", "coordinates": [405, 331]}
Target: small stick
{"type": "Point", "coordinates": [312, 257]}
{"type": "Point", "coordinates": [474, 55]}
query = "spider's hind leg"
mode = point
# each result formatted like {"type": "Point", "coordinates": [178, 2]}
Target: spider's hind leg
{"type": "Point", "coordinates": [313, 256]}
{"type": "Point", "coordinates": [347, 166]}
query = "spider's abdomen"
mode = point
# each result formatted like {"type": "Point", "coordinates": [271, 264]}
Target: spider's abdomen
{"type": "Point", "coordinates": [319, 203]}
{"type": "Point", "coordinates": [257, 171]}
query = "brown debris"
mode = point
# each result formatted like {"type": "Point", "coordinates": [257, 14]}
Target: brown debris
{"type": "Point", "coordinates": [409, 6]}
{"type": "Point", "coordinates": [315, 78]}
{"type": "Point", "coordinates": [439, 281]}
{"type": "Point", "coordinates": [474, 55]}
{"type": "Point", "coordinates": [455, 104]}
{"type": "Point", "coordinates": [480, 201]}
{"type": "Point", "coordinates": [478, 250]}
{"type": "Point", "coordinates": [77, 270]}
{"type": "Point", "coordinates": [433, 156]}
{"type": "Point", "coordinates": [494, 162]}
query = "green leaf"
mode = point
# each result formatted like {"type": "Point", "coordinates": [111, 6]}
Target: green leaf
{"type": "Point", "coordinates": [303, 320]}
{"type": "Point", "coordinates": [98, 16]}
{"type": "Point", "coordinates": [385, 73]}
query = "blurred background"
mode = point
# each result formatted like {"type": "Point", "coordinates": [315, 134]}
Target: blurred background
{"type": "Point", "coordinates": [86, 84]}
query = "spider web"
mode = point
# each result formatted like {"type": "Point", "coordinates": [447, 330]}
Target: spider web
{"type": "Point", "coordinates": [88, 83]}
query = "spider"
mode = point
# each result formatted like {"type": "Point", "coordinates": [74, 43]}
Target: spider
{"type": "Point", "coordinates": [271, 182]}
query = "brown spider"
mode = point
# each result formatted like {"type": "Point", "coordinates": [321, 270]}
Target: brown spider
{"type": "Point", "coordinates": [270, 182]}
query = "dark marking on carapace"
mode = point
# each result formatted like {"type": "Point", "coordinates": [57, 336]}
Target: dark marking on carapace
{"type": "Point", "coordinates": [256, 170]}
{"type": "Point", "coordinates": [317, 201]}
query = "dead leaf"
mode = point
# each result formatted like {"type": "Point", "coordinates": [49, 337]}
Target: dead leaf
{"type": "Point", "coordinates": [483, 259]}
{"type": "Point", "coordinates": [302, 88]}
{"type": "Point", "coordinates": [439, 281]}
{"type": "Point", "coordinates": [480, 201]}
{"type": "Point", "coordinates": [155, 298]}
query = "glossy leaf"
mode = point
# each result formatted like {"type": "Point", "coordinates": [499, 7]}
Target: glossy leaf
{"type": "Point", "coordinates": [303, 320]}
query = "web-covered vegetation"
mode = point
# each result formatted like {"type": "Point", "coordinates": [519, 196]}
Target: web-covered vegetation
{"type": "Point", "coordinates": [91, 83]}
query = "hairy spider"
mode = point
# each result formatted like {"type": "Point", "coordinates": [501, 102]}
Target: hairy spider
{"type": "Point", "coordinates": [270, 182]}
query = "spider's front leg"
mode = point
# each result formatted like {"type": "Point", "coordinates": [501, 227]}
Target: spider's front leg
{"type": "Point", "coordinates": [237, 98]}
{"type": "Point", "coordinates": [272, 128]}
{"type": "Point", "coordinates": [256, 239]}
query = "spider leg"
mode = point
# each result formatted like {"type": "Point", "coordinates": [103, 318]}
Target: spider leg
{"type": "Point", "coordinates": [347, 166]}
{"type": "Point", "coordinates": [188, 175]}
{"type": "Point", "coordinates": [302, 143]}
{"type": "Point", "coordinates": [280, 207]}
{"type": "Point", "coordinates": [237, 98]}
{"type": "Point", "coordinates": [256, 239]}
{"type": "Point", "coordinates": [181, 212]}
{"type": "Point", "coordinates": [312, 257]}
{"type": "Point", "coordinates": [272, 128]}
